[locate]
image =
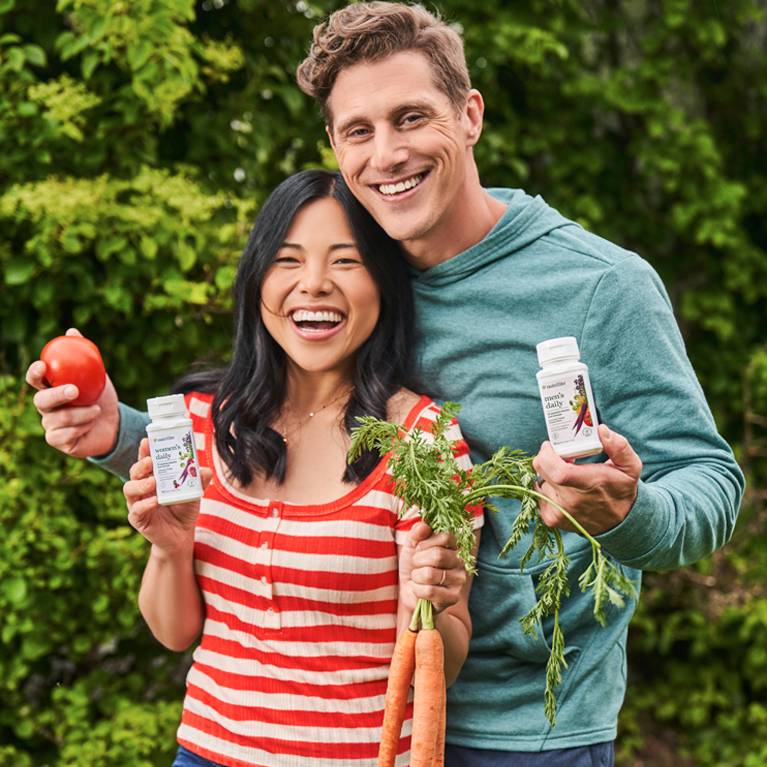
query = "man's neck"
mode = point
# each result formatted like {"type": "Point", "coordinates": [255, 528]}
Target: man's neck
{"type": "Point", "coordinates": [467, 222]}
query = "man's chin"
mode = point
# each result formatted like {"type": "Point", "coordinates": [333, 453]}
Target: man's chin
{"type": "Point", "coordinates": [402, 228]}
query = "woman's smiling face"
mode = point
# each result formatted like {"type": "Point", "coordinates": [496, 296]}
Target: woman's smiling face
{"type": "Point", "coordinates": [318, 300]}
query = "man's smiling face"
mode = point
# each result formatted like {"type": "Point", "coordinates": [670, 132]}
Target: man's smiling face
{"type": "Point", "coordinates": [401, 144]}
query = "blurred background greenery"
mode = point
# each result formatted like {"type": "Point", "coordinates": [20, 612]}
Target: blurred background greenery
{"type": "Point", "coordinates": [137, 139]}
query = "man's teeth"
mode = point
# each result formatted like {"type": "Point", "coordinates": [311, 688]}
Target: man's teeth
{"type": "Point", "coordinates": [302, 315]}
{"type": "Point", "coordinates": [402, 186]}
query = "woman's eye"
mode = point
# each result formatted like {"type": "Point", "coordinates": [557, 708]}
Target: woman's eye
{"type": "Point", "coordinates": [347, 261]}
{"type": "Point", "coordinates": [286, 260]}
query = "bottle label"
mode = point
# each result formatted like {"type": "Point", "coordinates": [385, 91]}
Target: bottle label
{"type": "Point", "coordinates": [567, 408]}
{"type": "Point", "coordinates": [174, 460]}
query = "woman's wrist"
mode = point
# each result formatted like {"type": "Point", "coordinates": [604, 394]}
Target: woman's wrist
{"type": "Point", "coordinates": [181, 552]}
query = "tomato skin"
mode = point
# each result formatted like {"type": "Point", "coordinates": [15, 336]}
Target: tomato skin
{"type": "Point", "coordinates": [75, 360]}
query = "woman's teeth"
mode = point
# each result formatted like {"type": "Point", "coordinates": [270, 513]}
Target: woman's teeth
{"type": "Point", "coordinates": [302, 315]}
{"type": "Point", "coordinates": [400, 187]}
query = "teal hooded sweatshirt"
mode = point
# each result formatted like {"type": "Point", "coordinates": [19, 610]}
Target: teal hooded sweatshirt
{"type": "Point", "coordinates": [479, 316]}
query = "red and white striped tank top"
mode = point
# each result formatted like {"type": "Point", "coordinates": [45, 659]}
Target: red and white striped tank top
{"type": "Point", "coordinates": [300, 618]}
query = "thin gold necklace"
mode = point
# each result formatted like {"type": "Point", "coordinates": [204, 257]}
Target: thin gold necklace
{"type": "Point", "coordinates": [297, 429]}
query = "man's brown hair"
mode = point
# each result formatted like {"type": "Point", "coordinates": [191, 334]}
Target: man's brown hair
{"type": "Point", "coordinates": [367, 32]}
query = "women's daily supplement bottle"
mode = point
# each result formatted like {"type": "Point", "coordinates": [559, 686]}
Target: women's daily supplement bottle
{"type": "Point", "coordinates": [568, 404]}
{"type": "Point", "coordinates": [171, 444]}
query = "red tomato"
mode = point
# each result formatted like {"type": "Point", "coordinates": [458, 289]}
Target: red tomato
{"type": "Point", "coordinates": [75, 360]}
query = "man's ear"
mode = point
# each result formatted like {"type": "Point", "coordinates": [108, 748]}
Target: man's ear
{"type": "Point", "coordinates": [473, 115]}
{"type": "Point", "coordinates": [329, 131]}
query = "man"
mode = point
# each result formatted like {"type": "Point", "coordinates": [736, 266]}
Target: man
{"type": "Point", "coordinates": [494, 273]}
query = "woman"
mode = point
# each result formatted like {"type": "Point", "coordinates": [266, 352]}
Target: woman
{"type": "Point", "coordinates": [296, 567]}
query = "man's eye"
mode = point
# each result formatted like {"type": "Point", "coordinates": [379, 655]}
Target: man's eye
{"type": "Point", "coordinates": [411, 118]}
{"type": "Point", "coordinates": [358, 133]}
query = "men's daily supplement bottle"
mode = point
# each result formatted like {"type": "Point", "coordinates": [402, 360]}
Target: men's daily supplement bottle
{"type": "Point", "coordinates": [171, 444]}
{"type": "Point", "coordinates": [568, 404]}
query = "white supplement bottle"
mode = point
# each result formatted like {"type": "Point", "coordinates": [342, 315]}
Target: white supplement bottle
{"type": "Point", "coordinates": [171, 444]}
{"type": "Point", "coordinates": [568, 404]}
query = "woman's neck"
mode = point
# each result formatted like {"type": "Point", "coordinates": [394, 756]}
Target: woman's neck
{"type": "Point", "coordinates": [309, 392]}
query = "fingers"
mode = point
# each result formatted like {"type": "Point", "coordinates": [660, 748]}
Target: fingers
{"type": "Point", "coordinates": [620, 453]}
{"type": "Point", "coordinates": [36, 375]}
{"type": "Point", "coordinates": [142, 468]}
{"type": "Point", "coordinates": [51, 398]}
{"type": "Point", "coordinates": [143, 449]}
{"type": "Point", "coordinates": [69, 417]}
{"type": "Point", "coordinates": [73, 332]}
{"type": "Point", "coordinates": [419, 532]}
{"type": "Point", "coordinates": [140, 513]}
{"type": "Point", "coordinates": [437, 572]}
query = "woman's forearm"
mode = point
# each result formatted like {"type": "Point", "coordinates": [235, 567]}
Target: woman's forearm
{"type": "Point", "coordinates": [170, 598]}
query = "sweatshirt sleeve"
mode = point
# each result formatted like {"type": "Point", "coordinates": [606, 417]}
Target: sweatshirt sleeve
{"type": "Point", "coordinates": [645, 388]}
{"type": "Point", "coordinates": [123, 455]}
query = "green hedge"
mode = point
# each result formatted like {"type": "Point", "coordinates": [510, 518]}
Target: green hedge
{"type": "Point", "coordinates": [137, 141]}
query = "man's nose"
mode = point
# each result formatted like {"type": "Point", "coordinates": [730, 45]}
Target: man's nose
{"type": "Point", "coordinates": [389, 150]}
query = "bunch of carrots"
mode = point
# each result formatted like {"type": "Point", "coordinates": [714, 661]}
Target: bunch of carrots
{"type": "Point", "coordinates": [418, 653]}
{"type": "Point", "coordinates": [426, 476]}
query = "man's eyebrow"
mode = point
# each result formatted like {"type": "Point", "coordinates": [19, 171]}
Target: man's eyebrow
{"type": "Point", "coordinates": [410, 106]}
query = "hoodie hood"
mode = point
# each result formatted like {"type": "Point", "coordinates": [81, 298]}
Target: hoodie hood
{"type": "Point", "coordinates": [526, 220]}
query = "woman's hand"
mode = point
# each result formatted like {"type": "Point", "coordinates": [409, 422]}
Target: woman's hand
{"type": "Point", "coordinates": [429, 568]}
{"type": "Point", "coordinates": [168, 528]}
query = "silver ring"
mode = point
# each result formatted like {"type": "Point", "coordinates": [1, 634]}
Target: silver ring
{"type": "Point", "coordinates": [442, 581]}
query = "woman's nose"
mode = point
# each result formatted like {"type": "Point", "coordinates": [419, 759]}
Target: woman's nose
{"type": "Point", "coordinates": [315, 280]}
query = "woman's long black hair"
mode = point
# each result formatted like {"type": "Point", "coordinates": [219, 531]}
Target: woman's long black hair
{"type": "Point", "coordinates": [249, 393]}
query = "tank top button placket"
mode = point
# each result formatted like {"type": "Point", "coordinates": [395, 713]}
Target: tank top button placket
{"type": "Point", "coordinates": [272, 617]}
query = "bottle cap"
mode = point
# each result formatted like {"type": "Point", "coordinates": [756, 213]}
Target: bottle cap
{"type": "Point", "coordinates": [557, 349]}
{"type": "Point", "coordinates": [172, 406]}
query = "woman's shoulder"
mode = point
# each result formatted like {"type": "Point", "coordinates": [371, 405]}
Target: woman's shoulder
{"type": "Point", "coordinates": [401, 404]}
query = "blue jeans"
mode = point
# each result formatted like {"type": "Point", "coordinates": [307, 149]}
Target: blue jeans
{"type": "Point", "coordinates": [600, 755]}
{"type": "Point", "coordinates": [185, 758]}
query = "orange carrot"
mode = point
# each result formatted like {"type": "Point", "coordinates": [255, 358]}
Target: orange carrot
{"type": "Point", "coordinates": [439, 750]}
{"type": "Point", "coordinates": [429, 679]}
{"type": "Point", "coordinates": [397, 689]}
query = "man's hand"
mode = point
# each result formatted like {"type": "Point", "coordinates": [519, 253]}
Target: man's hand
{"type": "Point", "coordinates": [598, 495]}
{"type": "Point", "coordinates": [77, 431]}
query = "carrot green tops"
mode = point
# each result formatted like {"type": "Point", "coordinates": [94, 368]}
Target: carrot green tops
{"type": "Point", "coordinates": [480, 314]}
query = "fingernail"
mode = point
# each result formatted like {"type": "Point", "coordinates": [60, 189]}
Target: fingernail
{"type": "Point", "coordinates": [607, 432]}
{"type": "Point", "coordinates": [70, 392]}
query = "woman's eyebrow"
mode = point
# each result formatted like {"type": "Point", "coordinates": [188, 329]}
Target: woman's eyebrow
{"type": "Point", "coordinates": [343, 245]}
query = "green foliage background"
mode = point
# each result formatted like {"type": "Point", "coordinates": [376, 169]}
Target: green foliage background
{"type": "Point", "coordinates": [138, 138]}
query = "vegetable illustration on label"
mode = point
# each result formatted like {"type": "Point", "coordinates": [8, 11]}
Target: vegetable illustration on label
{"type": "Point", "coordinates": [580, 404]}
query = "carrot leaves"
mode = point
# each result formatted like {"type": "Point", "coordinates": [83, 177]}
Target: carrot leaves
{"type": "Point", "coordinates": [427, 476]}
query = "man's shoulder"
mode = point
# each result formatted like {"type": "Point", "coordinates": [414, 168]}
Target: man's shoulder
{"type": "Point", "coordinates": [534, 225]}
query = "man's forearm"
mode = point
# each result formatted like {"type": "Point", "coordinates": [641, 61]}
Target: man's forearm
{"type": "Point", "coordinates": [132, 430]}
